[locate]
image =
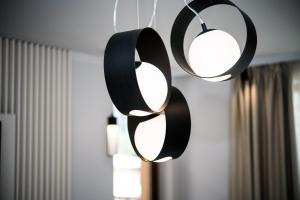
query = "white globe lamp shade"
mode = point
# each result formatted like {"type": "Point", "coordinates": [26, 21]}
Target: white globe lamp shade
{"type": "Point", "coordinates": [150, 136]}
{"type": "Point", "coordinates": [153, 87]}
{"type": "Point", "coordinates": [212, 53]}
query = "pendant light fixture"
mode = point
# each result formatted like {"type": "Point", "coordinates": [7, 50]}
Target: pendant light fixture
{"type": "Point", "coordinates": [137, 87]}
{"type": "Point", "coordinates": [162, 137]}
{"type": "Point", "coordinates": [214, 55]}
{"type": "Point", "coordinates": [159, 122]}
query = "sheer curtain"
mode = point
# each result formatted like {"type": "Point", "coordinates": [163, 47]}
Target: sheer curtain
{"type": "Point", "coordinates": [35, 86]}
{"type": "Point", "coordinates": [263, 147]}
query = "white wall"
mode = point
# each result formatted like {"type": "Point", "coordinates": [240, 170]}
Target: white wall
{"type": "Point", "coordinates": [203, 170]}
{"type": "Point", "coordinates": [91, 168]}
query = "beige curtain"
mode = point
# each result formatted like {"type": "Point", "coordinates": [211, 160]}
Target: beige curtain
{"type": "Point", "coordinates": [262, 145]}
{"type": "Point", "coordinates": [296, 105]}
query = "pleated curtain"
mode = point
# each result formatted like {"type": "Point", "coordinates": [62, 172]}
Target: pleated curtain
{"type": "Point", "coordinates": [263, 147]}
{"type": "Point", "coordinates": [35, 86]}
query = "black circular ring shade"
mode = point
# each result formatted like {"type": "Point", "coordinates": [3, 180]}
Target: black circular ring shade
{"type": "Point", "coordinates": [182, 22]}
{"type": "Point", "coordinates": [177, 129]}
{"type": "Point", "coordinates": [120, 67]}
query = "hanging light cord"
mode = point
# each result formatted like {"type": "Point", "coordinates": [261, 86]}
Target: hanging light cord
{"type": "Point", "coordinates": [197, 14]}
{"type": "Point", "coordinates": [138, 12]}
{"type": "Point", "coordinates": [115, 16]}
{"type": "Point", "coordinates": [152, 19]}
{"type": "Point", "coordinates": [153, 13]}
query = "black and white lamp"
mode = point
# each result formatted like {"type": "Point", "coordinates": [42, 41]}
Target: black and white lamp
{"type": "Point", "coordinates": [137, 87]}
{"type": "Point", "coordinates": [162, 137]}
{"type": "Point", "coordinates": [214, 55]}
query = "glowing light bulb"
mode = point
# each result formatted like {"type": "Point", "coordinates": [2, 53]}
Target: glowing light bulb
{"type": "Point", "coordinates": [212, 53]}
{"type": "Point", "coordinates": [153, 87]}
{"type": "Point", "coordinates": [150, 136]}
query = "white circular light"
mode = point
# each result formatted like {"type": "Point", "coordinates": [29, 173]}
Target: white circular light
{"type": "Point", "coordinates": [217, 79]}
{"type": "Point", "coordinates": [212, 53]}
{"type": "Point", "coordinates": [165, 159]}
{"type": "Point", "coordinates": [153, 86]}
{"type": "Point", "coordinates": [150, 136]}
{"type": "Point", "coordinates": [139, 113]}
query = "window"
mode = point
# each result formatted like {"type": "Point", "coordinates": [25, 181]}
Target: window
{"type": "Point", "coordinates": [126, 165]}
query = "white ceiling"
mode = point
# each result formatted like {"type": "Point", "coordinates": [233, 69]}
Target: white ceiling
{"type": "Point", "coordinates": [86, 25]}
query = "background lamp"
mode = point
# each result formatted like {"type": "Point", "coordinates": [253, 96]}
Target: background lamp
{"type": "Point", "coordinates": [112, 131]}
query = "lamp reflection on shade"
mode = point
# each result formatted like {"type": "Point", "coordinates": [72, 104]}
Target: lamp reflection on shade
{"type": "Point", "coordinates": [218, 78]}
{"type": "Point", "coordinates": [165, 159]}
{"type": "Point", "coordinates": [139, 113]}
{"type": "Point", "coordinates": [112, 131]}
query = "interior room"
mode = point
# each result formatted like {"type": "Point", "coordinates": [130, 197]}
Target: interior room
{"type": "Point", "coordinates": [150, 100]}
